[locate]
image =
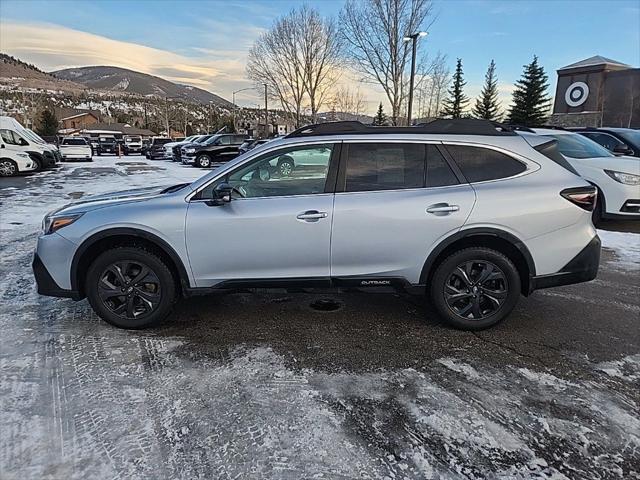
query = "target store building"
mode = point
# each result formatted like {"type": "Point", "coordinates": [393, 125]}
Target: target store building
{"type": "Point", "coordinates": [597, 92]}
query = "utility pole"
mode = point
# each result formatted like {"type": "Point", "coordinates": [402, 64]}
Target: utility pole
{"type": "Point", "coordinates": [233, 101]}
{"type": "Point", "coordinates": [166, 116]}
{"type": "Point", "coordinates": [266, 113]}
{"type": "Point", "coordinates": [413, 38]}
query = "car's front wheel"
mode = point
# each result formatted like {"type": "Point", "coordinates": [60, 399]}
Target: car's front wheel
{"type": "Point", "coordinates": [203, 161]}
{"type": "Point", "coordinates": [8, 168]}
{"type": "Point", "coordinates": [475, 288]}
{"type": "Point", "coordinates": [285, 166]}
{"type": "Point", "coordinates": [130, 287]}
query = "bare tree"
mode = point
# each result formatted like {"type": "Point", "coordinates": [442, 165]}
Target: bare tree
{"type": "Point", "coordinates": [298, 59]}
{"type": "Point", "coordinates": [348, 101]}
{"type": "Point", "coordinates": [373, 31]}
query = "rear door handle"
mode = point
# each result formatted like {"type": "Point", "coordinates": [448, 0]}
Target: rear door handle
{"type": "Point", "coordinates": [312, 215]}
{"type": "Point", "coordinates": [442, 209]}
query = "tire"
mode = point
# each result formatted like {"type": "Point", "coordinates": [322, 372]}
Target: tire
{"type": "Point", "coordinates": [596, 215]}
{"type": "Point", "coordinates": [8, 168]}
{"type": "Point", "coordinates": [123, 303]}
{"type": "Point", "coordinates": [203, 161]}
{"type": "Point", "coordinates": [38, 163]}
{"type": "Point", "coordinates": [285, 166]}
{"type": "Point", "coordinates": [467, 302]}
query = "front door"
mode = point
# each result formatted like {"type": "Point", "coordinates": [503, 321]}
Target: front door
{"type": "Point", "coordinates": [393, 208]}
{"type": "Point", "coordinates": [275, 227]}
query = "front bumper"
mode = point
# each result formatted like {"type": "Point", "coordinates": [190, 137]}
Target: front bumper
{"type": "Point", "coordinates": [47, 285]}
{"type": "Point", "coordinates": [582, 268]}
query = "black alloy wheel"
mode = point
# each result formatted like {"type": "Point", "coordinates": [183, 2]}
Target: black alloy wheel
{"type": "Point", "coordinates": [476, 289]}
{"type": "Point", "coordinates": [129, 289]}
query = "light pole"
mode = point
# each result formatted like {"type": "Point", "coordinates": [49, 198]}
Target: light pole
{"type": "Point", "coordinates": [266, 113]}
{"type": "Point", "coordinates": [233, 100]}
{"type": "Point", "coordinates": [414, 39]}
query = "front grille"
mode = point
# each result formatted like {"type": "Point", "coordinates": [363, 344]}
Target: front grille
{"type": "Point", "coordinates": [631, 206]}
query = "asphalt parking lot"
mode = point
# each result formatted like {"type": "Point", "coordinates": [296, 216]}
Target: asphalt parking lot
{"type": "Point", "coordinates": [260, 384]}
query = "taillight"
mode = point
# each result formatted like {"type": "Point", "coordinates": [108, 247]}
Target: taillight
{"type": "Point", "coordinates": [584, 197]}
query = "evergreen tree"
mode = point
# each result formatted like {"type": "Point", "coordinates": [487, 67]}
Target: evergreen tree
{"type": "Point", "coordinates": [487, 105]}
{"type": "Point", "coordinates": [48, 125]}
{"type": "Point", "coordinates": [380, 118]}
{"type": "Point", "coordinates": [457, 101]}
{"type": "Point", "coordinates": [530, 102]}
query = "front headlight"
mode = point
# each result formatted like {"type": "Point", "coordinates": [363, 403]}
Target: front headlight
{"type": "Point", "coordinates": [189, 150]}
{"type": "Point", "coordinates": [53, 223]}
{"type": "Point", "coordinates": [626, 178]}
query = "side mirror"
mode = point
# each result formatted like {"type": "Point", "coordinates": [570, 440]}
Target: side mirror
{"type": "Point", "coordinates": [221, 194]}
{"type": "Point", "coordinates": [623, 149]}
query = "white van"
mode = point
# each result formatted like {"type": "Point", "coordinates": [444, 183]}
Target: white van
{"type": "Point", "coordinates": [17, 138]}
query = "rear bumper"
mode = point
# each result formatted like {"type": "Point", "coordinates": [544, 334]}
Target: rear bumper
{"type": "Point", "coordinates": [47, 285]}
{"type": "Point", "coordinates": [582, 268]}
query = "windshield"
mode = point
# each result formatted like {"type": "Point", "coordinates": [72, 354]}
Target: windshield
{"type": "Point", "coordinates": [211, 139]}
{"type": "Point", "coordinates": [107, 140]}
{"type": "Point", "coordinates": [630, 136]}
{"type": "Point", "coordinates": [133, 139]}
{"type": "Point", "coordinates": [203, 139]}
{"type": "Point", "coordinates": [35, 136]}
{"type": "Point", "coordinates": [574, 145]}
{"type": "Point", "coordinates": [74, 141]}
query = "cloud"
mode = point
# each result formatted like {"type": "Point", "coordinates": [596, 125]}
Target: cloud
{"type": "Point", "coordinates": [53, 47]}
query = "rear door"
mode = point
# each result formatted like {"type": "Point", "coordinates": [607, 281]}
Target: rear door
{"type": "Point", "coordinates": [393, 202]}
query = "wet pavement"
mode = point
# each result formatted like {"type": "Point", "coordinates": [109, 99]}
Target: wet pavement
{"type": "Point", "coordinates": [291, 385]}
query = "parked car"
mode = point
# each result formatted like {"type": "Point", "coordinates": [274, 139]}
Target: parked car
{"type": "Point", "coordinates": [177, 150]}
{"type": "Point", "coordinates": [621, 141]}
{"type": "Point", "coordinates": [53, 147]}
{"type": "Point", "coordinates": [15, 137]}
{"type": "Point", "coordinates": [75, 148]}
{"type": "Point", "coordinates": [216, 149]}
{"type": "Point", "coordinates": [106, 144]}
{"type": "Point", "coordinates": [250, 144]}
{"type": "Point", "coordinates": [468, 214]}
{"type": "Point", "coordinates": [156, 148]}
{"type": "Point", "coordinates": [13, 162]}
{"type": "Point", "coordinates": [617, 177]}
{"type": "Point", "coordinates": [132, 145]}
{"type": "Point", "coordinates": [168, 147]}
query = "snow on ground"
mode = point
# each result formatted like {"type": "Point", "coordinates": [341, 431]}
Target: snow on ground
{"type": "Point", "coordinates": [80, 399]}
{"type": "Point", "coordinates": [625, 245]}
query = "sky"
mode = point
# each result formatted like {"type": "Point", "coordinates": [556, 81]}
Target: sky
{"type": "Point", "coordinates": [205, 43]}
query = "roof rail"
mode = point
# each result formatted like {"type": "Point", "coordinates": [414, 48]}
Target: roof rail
{"type": "Point", "coordinates": [521, 128]}
{"type": "Point", "coordinates": [460, 126]}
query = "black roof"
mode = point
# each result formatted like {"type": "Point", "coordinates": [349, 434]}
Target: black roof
{"type": "Point", "coordinates": [460, 126]}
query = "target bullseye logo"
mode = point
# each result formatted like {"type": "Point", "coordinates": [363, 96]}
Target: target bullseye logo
{"type": "Point", "coordinates": [576, 94]}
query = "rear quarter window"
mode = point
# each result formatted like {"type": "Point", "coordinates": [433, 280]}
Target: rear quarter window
{"type": "Point", "coordinates": [480, 164]}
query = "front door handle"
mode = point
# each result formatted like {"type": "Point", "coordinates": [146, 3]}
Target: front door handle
{"type": "Point", "coordinates": [312, 215]}
{"type": "Point", "coordinates": [442, 209]}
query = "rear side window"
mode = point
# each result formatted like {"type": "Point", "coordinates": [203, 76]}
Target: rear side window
{"type": "Point", "coordinates": [480, 164]}
{"type": "Point", "coordinates": [439, 173]}
{"type": "Point", "coordinates": [384, 166]}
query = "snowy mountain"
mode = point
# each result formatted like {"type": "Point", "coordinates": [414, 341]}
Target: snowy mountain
{"type": "Point", "coordinates": [123, 80]}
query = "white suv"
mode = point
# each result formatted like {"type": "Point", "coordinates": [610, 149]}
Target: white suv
{"type": "Point", "coordinates": [617, 177]}
{"type": "Point", "coordinates": [12, 162]}
{"type": "Point", "coordinates": [467, 213]}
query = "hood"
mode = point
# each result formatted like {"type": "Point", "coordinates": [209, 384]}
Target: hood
{"type": "Point", "coordinates": [93, 202]}
{"type": "Point", "coordinates": [623, 164]}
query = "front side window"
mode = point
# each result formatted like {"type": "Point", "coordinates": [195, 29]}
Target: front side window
{"type": "Point", "coordinates": [224, 140]}
{"type": "Point", "coordinates": [607, 141]}
{"type": "Point", "coordinates": [384, 166]}
{"type": "Point", "coordinates": [11, 138]}
{"type": "Point", "coordinates": [290, 171]}
{"type": "Point", "coordinates": [481, 164]}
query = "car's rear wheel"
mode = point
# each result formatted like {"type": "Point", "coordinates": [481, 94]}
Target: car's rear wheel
{"type": "Point", "coordinates": [8, 168]}
{"type": "Point", "coordinates": [130, 287]}
{"type": "Point", "coordinates": [285, 166]}
{"type": "Point", "coordinates": [203, 161]}
{"type": "Point", "coordinates": [475, 288]}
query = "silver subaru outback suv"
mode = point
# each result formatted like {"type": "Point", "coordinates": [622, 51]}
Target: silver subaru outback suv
{"type": "Point", "coordinates": [464, 211]}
